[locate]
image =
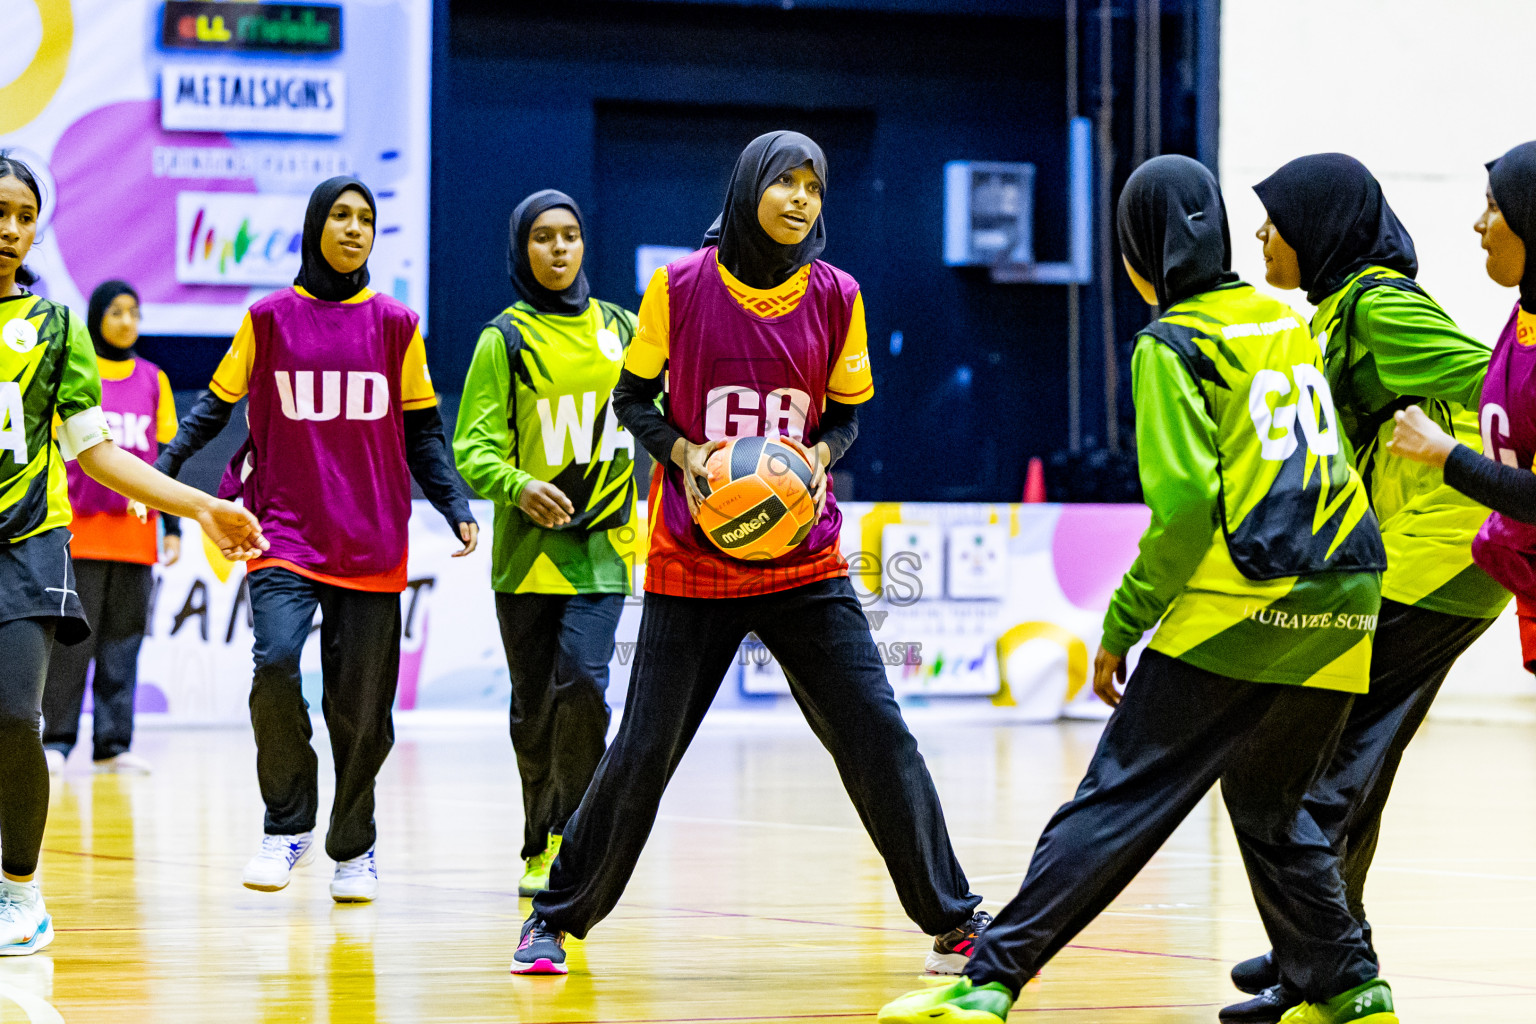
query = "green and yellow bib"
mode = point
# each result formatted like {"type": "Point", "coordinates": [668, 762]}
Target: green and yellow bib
{"type": "Point", "coordinates": [1289, 591]}
{"type": "Point", "coordinates": [47, 367]}
{"type": "Point", "coordinates": [1426, 526]}
{"type": "Point", "coordinates": [564, 431]}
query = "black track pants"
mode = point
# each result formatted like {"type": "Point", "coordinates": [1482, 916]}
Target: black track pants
{"type": "Point", "coordinates": [820, 636]}
{"type": "Point", "coordinates": [24, 648]}
{"type": "Point", "coordinates": [116, 599]}
{"type": "Point", "coordinates": [1413, 651]}
{"type": "Point", "coordinates": [360, 665]}
{"type": "Point", "coordinates": [558, 647]}
{"type": "Point", "coordinates": [1178, 731]}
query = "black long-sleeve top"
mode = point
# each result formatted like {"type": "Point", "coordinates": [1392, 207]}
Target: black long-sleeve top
{"type": "Point", "coordinates": [634, 404]}
{"type": "Point", "coordinates": [206, 419]}
{"type": "Point", "coordinates": [1508, 490]}
{"type": "Point", "coordinates": [426, 452]}
{"type": "Point", "coordinates": [431, 463]}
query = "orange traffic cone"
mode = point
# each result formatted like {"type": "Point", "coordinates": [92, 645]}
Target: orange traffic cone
{"type": "Point", "coordinates": [1034, 481]}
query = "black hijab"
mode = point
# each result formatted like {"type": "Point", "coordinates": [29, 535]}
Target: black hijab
{"type": "Point", "coordinates": [570, 301]}
{"type": "Point", "coordinates": [753, 258]}
{"type": "Point", "coordinates": [1331, 210]}
{"type": "Point", "coordinates": [101, 298]}
{"type": "Point", "coordinates": [316, 275]}
{"type": "Point", "coordinates": [1512, 177]}
{"type": "Point", "coordinates": [1173, 228]}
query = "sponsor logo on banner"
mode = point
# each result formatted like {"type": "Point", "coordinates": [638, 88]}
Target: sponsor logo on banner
{"type": "Point", "coordinates": [243, 25]}
{"type": "Point", "coordinates": [238, 238]}
{"type": "Point", "coordinates": [252, 98]}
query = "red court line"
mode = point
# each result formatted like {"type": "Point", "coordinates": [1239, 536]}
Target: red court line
{"type": "Point", "coordinates": [108, 856]}
{"type": "Point", "coordinates": [913, 931]}
{"type": "Point", "coordinates": [1148, 952]}
{"type": "Point", "coordinates": [781, 920]}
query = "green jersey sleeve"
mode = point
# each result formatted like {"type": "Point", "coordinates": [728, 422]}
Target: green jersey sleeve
{"type": "Point", "coordinates": [80, 387]}
{"type": "Point", "coordinates": [1418, 349]}
{"type": "Point", "coordinates": [1176, 455]}
{"type": "Point", "coordinates": [482, 440]}
{"type": "Point", "coordinates": [77, 405]}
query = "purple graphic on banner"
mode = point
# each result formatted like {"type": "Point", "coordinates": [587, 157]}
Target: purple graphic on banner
{"type": "Point", "coordinates": [102, 158]}
{"type": "Point", "coordinates": [1093, 547]}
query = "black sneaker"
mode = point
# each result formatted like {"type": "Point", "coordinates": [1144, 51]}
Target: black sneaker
{"type": "Point", "coordinates": [952, 950]}
{"type": "Point", "coordinates": [542, 949]}
{"type": "Point", "coordinates": [1265, 1008]}
{"type": "Point", "coordinates": [1256, 974]}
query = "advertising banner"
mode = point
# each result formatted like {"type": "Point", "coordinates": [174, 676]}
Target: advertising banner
{"type": "Point", "coordinates": [997, 602]}
{"type": "Point", "coordinates": [177, 143]}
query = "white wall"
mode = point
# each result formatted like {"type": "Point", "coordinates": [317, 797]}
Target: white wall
{"type": "Point", "coordinates": [1424, 92]}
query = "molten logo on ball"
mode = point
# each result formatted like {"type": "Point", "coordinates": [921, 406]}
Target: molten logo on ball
{"type": "Point", "coordinates": [746, 529]}
{"type": "Point", "coordinates": [757, 501]}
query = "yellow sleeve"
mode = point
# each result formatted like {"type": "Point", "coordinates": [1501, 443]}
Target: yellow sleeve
{"type": "Point", "coordinates": [232, 379]}
{"type": "Point", "coordinates": [165, 420]}
{"type": "Point", "coordinates": [851, 382]}
{"type": "Point", "coordinates": [415, 379]}
{"type": "Point", "coordinates": [648, 349]}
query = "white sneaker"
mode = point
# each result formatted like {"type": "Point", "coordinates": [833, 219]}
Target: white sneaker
{"type": "Point", "coordinates": [55, 759]}
{"type": "Point", "coordinates": [356, 880]}
{"type": "Point", "coordinates": [268, 871]}
{"type": "Point", "coordinates": [126, 763]}
{"type": "Point", "coordinates": [25, 926]}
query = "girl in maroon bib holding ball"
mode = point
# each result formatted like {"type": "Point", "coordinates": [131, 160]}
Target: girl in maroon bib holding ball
{"type": "Point", "coordinates": [757, 338]}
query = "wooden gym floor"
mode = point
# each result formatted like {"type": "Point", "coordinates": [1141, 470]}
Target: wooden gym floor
{"type": "Point", "coordinates": [758, 899]}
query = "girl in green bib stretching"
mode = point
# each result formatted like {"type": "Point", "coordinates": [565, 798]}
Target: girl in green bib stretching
{"type": "Point", "coordinates": [1260, 574]}
{"type": "Point", "coordinates": [538, 437]}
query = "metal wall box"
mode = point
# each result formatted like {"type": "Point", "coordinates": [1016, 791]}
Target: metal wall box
{"type": "Point", "coordinates": [989, 213]}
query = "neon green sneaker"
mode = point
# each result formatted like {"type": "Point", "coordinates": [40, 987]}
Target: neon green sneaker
{"type": "Point", "coordinates": [959, 1003]}
{"type": "Point", "coordinates": [536, 869]}
{"type": "Point", "coordinates": [1370, 1003]}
